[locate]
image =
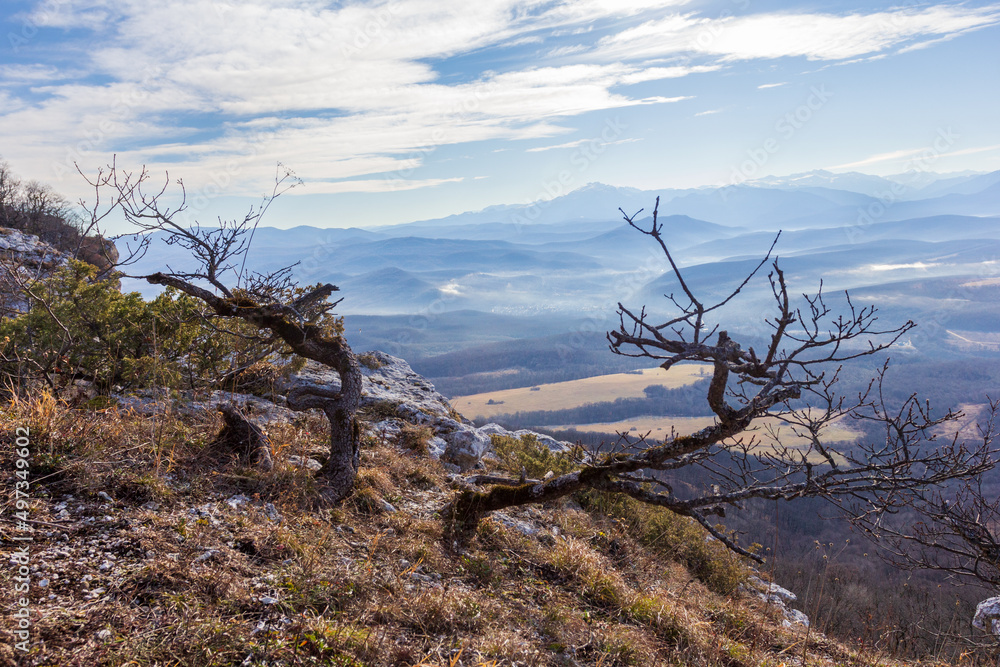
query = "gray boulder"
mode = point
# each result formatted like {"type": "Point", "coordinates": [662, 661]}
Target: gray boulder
{"type": "Point", "coordinates": [390, 385]}
{"type": "Point", "coordinates": [988, 616]}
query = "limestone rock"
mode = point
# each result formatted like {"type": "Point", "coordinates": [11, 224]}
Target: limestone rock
{"type": "Point", "coordinates": [988, 616]}
{"type": "Point", "coordinates": [393, 390]}
{"type": "Point", "coordinates": [779, 597]}
{"type": "Point", "coordinates": [23, 258]}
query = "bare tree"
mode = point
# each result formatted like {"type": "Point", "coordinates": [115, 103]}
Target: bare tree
{"type": "Point", "coordinates": [955, 529]}
{"type": "Point", "coordinates": [300, 317]}
{"type": "Point", "coordinates": [792, 380]}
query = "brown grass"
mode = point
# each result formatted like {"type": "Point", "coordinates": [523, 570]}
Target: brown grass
{"type": "Point", "coordinates": [170, 574]}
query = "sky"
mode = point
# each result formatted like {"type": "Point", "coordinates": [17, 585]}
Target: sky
{"type": "Point", "coordinates": [390, 112]}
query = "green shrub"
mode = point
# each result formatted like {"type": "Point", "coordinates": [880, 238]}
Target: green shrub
{"type": "Point", "coordinates": [528, 454]}
{"type": "Point", "coordinates": [78, 327]}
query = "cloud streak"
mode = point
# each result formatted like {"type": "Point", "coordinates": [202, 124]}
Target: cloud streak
{"type": "Point", "coordinates": [359, 89]}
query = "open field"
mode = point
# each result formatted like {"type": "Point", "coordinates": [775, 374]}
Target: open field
{"type": "Point", "coordinates": [659, 428]}
{"type": "Point", "coordinates": [574, 393]}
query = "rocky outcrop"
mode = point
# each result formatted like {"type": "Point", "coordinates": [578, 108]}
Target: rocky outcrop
{"type": "Point", "coordinates": [99, 251]}
{"type": "Point", "coordinates": [393, 395]}
{"type": "Point", "coordinates": [988, 616]}
{"type": "Point", "coordinates": [779, 597]}
{"type": "Point", "coordinates": [23, 258]}
{"type": "Point", "coordinates": [29, 250]}
{"type": "Point", "coordinates": [395, 392]}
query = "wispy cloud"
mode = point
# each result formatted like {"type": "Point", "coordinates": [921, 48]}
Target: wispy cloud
{"type": "Point", "coordinates": [879, 157]}
{"type": "Point", "coordinates": [379, 185]}
{"type": "Point", "coordinates": [788, 34]}
{"type": "Point", "coordinates": [709, 112]}
{"type": "Point", "coordinates": [353, 89]}
{"type": "Point", "coordinates": [582, 142]}
{"type": "Point", "coordinates": [772, 85]}
{"type": "Point", "coordinates": [909, 152]}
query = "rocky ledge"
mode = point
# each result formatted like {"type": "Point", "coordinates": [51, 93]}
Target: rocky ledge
{"type": "Point", "coordinates": [392, 392]}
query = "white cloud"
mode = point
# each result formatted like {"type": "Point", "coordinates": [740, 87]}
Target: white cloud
{"type": "Point", "coordinates": [31, 74]}
{"type": "Point", "coordinates": [784, 34]}
{"type": "Point", "coordinates": [569, 144]}
{"type": "Point", "coordinates": [351, 89]}
{"type": "Point", "coordinates": [709, 112]}
{"type": "Point", "coordinates": [879, 157]}
{"type": "Point", "coordinates": [581, 142]}
{"type": "Point", "coordinates": [771, 85]}
{"type": "Point", "coordinates": [377, 185]}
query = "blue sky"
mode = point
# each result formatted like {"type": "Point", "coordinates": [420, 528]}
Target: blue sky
{"type": "Point", "coordinates": [399, 111]}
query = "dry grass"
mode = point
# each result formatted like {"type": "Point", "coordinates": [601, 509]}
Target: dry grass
{"type": "Point", "coordinates": [177, 570]}
{"type": "Point", "coordinates": [574, 393]}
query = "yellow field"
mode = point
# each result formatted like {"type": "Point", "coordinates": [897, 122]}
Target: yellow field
{"type": "Point", "coordinates": [660, 428]}
{"type": "Point", "coordinates": [574, 393]}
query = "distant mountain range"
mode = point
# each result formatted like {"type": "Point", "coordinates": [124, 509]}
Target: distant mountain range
{"type": "Point", "coordinates": [573, 258]}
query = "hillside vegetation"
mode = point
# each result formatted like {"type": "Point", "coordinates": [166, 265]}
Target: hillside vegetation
{"type": "Point", "coordinates": [148, 549]}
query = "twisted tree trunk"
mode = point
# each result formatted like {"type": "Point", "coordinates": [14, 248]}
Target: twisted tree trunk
{"type": "Point", "coordinates": [312, 342]}
{"type": "Point", "coordinates": [340, 407]}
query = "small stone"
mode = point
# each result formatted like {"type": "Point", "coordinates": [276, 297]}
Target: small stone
{"type": "Point", "coordinates": [268, 600]}
{"type": "Point", "coordinates": [43, 583]}
{"type": "Point", "coordinates": [304, 462]}
{"type": "Point", "coordinates": [988, 615]}
{"type": "Point", "coordinates": [272, 513]}
{"type": "Point", "coordinates": [386, 505]}
{"type": "Point", "coordinates": [208, 555]}
{"type": "Point", "coordinates": [104, 634]}
{"type": "Point", "coordinates": [105, 496]}
{"type": "Point", "coordinates": [237, 500]}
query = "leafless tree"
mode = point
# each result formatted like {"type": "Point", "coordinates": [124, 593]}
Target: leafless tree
{"type": "Point", "coordinates": [791, 380]}
{"type": "Point", "coordinates": [300, 317]}
{"type": "Point", "coordinates": [955, 529]}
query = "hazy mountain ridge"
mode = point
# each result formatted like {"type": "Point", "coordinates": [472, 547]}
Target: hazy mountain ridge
{"type": "Point", "coordinates": [570, 260]}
